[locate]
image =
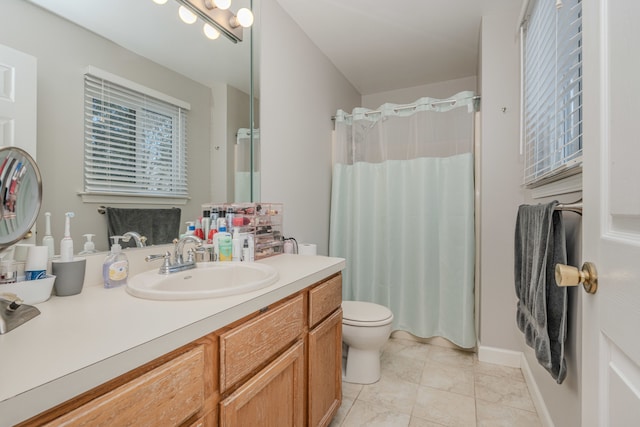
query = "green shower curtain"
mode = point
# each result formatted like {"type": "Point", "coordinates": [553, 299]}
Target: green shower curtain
{"type": "Point", "coordinates": [402, 214]}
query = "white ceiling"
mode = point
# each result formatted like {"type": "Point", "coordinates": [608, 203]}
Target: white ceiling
{"type": "Point", "coordinates": [379, 45]}
{"type": "Point", "coordinates": [382, 45]}
{"type": "Point", "coordinates": [157, 33]}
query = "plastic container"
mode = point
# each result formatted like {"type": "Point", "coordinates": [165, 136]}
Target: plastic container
{"type": "Point", "coordinates": [31, 291]}
{"type": "Point", "coordinates": [115, 269]}
{"type": "Point", "coordinates": [225, 244]}
{"type": "Point", "coordinates": [262, 221]}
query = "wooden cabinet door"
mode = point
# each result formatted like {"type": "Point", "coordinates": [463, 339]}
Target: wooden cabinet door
{"type": "Point", "coordinates": [165, 396]}
{"type": "Point", "coordinates": [325, 370]}
{"type": "Point", "coordinates": [274, 397]}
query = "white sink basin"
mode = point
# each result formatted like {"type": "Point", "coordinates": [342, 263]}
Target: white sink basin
{"type": "Point", "coordinates": [207, 280]}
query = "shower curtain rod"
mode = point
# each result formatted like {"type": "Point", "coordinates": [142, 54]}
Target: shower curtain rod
{"type": "Point", "coordinates": [411, 106]}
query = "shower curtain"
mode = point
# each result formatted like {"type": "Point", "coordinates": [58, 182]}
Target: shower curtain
{"type": "Point", "coordinates": [402, 213]}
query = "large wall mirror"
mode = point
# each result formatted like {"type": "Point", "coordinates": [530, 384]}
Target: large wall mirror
{"type": "Point", "coordinates": [147, 44]}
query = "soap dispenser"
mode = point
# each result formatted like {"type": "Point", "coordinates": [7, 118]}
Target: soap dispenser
{"type": "Point", "coordinates": [115, 269]}
{"type": "Point", "coordinates": [89, 246]}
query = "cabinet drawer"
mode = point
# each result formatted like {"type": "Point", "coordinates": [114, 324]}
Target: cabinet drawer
{"type": "Point", "coordinates": [250, 345]}
{"type": "Point", "coordinates": [165, 396]}
{"type": "Point", "coordinates": [324, 299]}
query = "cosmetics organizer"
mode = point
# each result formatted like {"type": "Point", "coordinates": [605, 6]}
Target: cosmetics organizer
{"type": "Point", "coordinates": [262, 220]}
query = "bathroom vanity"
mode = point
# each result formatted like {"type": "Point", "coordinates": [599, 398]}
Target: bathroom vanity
{"type": "Point", "coordinates": [104, 357]}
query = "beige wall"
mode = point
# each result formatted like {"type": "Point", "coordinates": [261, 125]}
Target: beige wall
{"type": "Point", "coordinates": [300, 90]}
{"type": "Point", "coordinates": [63, 50]}
{"type": "Point", "coordinates": [501, 194]}
{"type": "Point", "coordinates": [500, 177]}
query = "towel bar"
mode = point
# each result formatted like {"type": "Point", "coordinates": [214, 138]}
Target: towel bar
{"type": "Point", "coordinates": [570, 207]}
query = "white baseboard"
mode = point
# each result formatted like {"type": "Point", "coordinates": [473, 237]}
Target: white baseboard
{"type": "Point", "coordinates": [536, 395]}
{"type": "Point", "coordinates": [499, 356]}
{"type": "Point", "coordinates": [516, 359]}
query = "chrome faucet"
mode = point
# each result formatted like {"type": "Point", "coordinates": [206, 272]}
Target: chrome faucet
{"type": "Point", "coordinates": [178, 264]}
{"type": "Point", "coordinates": [140, 240]}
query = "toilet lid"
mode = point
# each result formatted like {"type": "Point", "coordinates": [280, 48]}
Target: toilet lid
{"type": "Point", "coordinates": [364, 312]}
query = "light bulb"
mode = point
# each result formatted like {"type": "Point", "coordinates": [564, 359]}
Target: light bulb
{"type": "Point", "coordinates": [186, 15]}
{"type": "Point", "coordinates": [210, 32]}
{"type": "Point", "coordinates": [222, 4]}
{"type": "Point", "coordinates": [160, 1]}
{"type": "Point", "coordinates": [244, 17]}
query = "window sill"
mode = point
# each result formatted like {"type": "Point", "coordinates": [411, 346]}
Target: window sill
{"type": "Point", "coordinates": [133, 199]}
{"type": "Point", "coordinates": [564, 185]}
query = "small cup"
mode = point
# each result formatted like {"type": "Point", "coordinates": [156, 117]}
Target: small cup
{"type": "Point", "coordinates": [21, 251]}
{"type": "Point", "coordinates": [69, 276]}
{"type": "Point", "coordinates": [36, 263]}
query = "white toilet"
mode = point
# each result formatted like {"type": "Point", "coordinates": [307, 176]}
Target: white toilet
{"type": "Point", "coordinates": [365, 328]}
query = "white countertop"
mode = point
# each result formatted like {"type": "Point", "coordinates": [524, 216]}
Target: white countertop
{"type": "Point", "coordinates": [84, 340]}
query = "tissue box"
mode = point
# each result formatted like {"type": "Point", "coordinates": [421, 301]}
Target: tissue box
{"type": "Point", "coordinates": [31, 291]}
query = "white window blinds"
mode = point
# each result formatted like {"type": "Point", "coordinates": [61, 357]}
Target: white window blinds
{"type": "Point", "coordinates": [552, 89]}
{"type": "Point", "coordinates": [135, 143]}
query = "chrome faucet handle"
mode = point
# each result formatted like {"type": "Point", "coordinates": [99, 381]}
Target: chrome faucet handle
{"type": "Point", "coordinates": [166, 264]}
{"type": "Point", "coordinates": [191, 256]}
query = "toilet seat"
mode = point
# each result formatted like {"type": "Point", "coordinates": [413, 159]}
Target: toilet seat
{"type": "Point", "coordinates": [365, 314]}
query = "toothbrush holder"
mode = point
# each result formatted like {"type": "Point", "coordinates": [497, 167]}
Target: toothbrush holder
{"type": "Point", "coordinates": [69, 276]}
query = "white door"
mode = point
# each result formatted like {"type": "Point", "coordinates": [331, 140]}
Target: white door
{"type": "Point", "coordinates": [18, 95]}
{"type": "Point", "coordinates": [611, 217]}
{"type": "Point", "coordinates": [18, 103]}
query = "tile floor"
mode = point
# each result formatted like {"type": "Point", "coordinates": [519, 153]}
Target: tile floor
{"type": "Point", "coordinates": [424, 385]}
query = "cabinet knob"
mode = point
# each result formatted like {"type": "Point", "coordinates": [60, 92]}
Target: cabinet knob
{"type": "Point", "coordinates": [567, 275]}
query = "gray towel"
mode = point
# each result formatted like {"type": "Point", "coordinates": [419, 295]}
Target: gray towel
{"type": "Point", "coordinates": [157, 225]}
{"type": "Point", "coordinates": [542, 305]}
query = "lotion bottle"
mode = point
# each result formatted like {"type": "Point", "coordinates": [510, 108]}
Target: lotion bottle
{"type": "Point", "coordinates": [236, 246]}
{"type": "Point", "coordinates": [115, 268]}
{"type": "Point", "coordinates": [47, 240]}
{"type": "Point", "coordinates": [225, 245]}
{"type": "Point", "coordinates": [66, 244]}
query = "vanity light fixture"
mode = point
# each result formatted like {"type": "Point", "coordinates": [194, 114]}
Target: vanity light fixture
{"type": "Point", "coordinates": [210, 32]}
{"type": "Point", "coordinates": [186, 15]}
{"type": "Point", "coordinates": [218, 19]}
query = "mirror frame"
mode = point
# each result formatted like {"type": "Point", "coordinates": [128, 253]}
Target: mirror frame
{"type": "Point", "coordinates": [31, 217]}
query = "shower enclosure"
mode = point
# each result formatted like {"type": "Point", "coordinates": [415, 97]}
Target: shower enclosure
{"type": "Point", "coordinates": [402, 213]}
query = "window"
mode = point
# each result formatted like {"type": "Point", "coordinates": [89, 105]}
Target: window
{"type": "Point", "coordinates": [135, 139]}
{"type": "Point", "coordinates": [552, 89]}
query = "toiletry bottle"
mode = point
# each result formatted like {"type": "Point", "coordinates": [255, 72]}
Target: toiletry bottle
{"type": "Point", "coordinates": [222, 223]}
{"type": "Point", "coordinates": [115, 268]}
{"type": "Point", "coordinates": [206, 224]}
{"type": "Point", "coordinates": [47, 240]}
{"type": "Point", "coordinates": [89, 246]}
{"type": "Point", "coordinates": [236, 246]}
{"type": "Point", "coordinates": [191, 228]}
{"type": "Point", "coordinates": [198, 232]}
{"type": "Point", "coordinates": [66, 244]}
{"type": "Point", "coordinates": [212, 233]}
{"type": "Point", "coordinates": [252, 247]}
{"type": "Point", "coordinates": [229, 219]}
{"type": "Point", "coordinates": [213, 219]}
{"type": "Point", "coordinates": [245, 250]}
{"type": "Point", "coordinates": [225, 246]}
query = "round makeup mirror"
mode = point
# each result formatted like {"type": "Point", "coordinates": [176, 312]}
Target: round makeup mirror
{"type": "Point", "coordinates": [20, 194]}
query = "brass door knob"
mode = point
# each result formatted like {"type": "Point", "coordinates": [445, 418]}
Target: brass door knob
{"type": "Point", "coordinates": [567, 275]}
